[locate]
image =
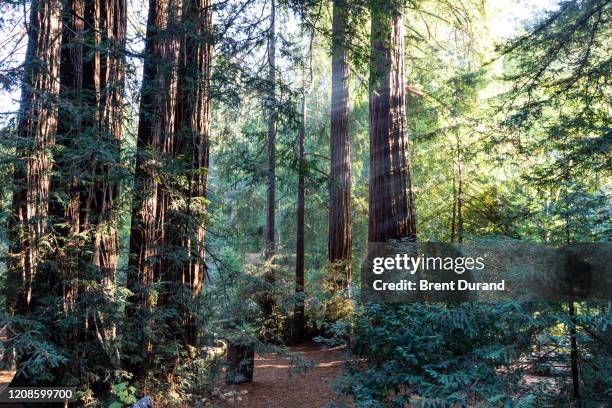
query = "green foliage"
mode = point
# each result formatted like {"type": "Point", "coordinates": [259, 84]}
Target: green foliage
{"type": "Point", "coordinates": [559, 76]}
{"type": "Point", "coordinates": [524, 129]}
{"type": "Point", "coordinates": [437, 355]}
{"type": "Point", "coordinates": [468, 354]}
{"type": "Point", "coordinates": [126, 394]}
{"type": "Point", "coordinates": [31, 343]}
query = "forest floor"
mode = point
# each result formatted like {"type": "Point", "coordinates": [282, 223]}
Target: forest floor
{"type": "Point", "coordinates": [5, 379]}
{"type": "Point", "coordinates": [273, 387]}
{"type": "Point", "coordinates": [6, 376]}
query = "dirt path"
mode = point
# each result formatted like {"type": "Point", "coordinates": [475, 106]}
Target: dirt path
{"type": "Point", "coordinates": [272, 388]}
{"type": "Point", "coordinates": [5, 376]}
{"type": "Point", "coordinates": [5, 379]}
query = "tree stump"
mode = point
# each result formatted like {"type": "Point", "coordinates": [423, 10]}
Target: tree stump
{"type": "Point", "coordinates": [240, 362]}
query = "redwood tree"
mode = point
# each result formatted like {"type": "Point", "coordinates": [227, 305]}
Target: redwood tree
{"type": "Point", "coordinates": [168, 217]}
{"type": "Point", "coordinates": [37, 123]}
{"type": "Point", "coordinates": [339, 240]}
{"type": "Point", "coordinates": [85, 185]}
{"type": "Point", "coordinates": [191, 150]}
{"type": "Point", "coordinates": [103, 194]}
{"type": "Point", "coordinates": [103, 58]}
{"type": "Point", "coordinates": [391, 207]}
{"type": "Point", "coordinates": [65, 200]}
{"type": "Point", "coordinates": [153, 154]}
{"type": "Point", "coordinates": [35, 137]}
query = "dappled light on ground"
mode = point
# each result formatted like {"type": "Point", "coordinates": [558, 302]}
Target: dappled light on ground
{"type": "Point", "coordinates": [5, 379]}
{"type": "Point", "coordinates": [274, 387]}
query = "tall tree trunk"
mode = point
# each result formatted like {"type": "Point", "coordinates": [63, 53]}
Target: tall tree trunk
{"type": "Point", "coordinates": [103, 79]}
{"type": "Point", "coordinates": [64, 201]}
{"type": "Point", "coordinates": [339, 240]}
{"type": "Point", "coordinates": [268, 304]}
{"type": "Point", "coordinates": [154, 147]}
{"type": "Point", "coordinates": [104, 193]}
{"type": "Point", "coordinates": [37, 123]}
{"type": "Point", "coordinates": [85, 188]}
{"type": "Point", "coordinates": [270, 241]}
{"type": "Point", "coordinates": [299, 319]}
{"type": "Point", "coordinates": [35, 135]}
{"type": "Point", "coordinates": [192, 142]}
{"type": "Point", "coordinates": [391, 207]}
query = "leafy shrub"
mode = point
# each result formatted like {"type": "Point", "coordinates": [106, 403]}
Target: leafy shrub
{"type": "Point", "coordinates": [126, 394]}
{"type": "Point", "coordinates": [475, 354]}
{"type": "Point", "coordinates": [438, 355]}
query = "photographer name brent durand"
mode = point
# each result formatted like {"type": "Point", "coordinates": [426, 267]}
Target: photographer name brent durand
{"type": "Point", "coordinates": [425, 285]}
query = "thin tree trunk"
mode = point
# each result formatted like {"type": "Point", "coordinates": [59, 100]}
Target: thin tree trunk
{"type": "Point", "coordinates": [192, 142]}
{"type": "Point", "coordinates": [391, 208]}
{"type": "Point", "coordinates": [574, 352]}
{"type": "Point", "coordinates": [269, 304]}
{"type": "Point", "coordinates": [339, 239]}
{"type": "Point", "coordinates": [459, 192]}
{"type": "Point", "coordinates": [35, 135]}
{"type": "Point", "coordinates": [574, 356]}
{"type": "Point", "coordinates": [271, 198]}
{"type": "Point", "coordinates": [454, 211]}
{"type": "Point", "coordinates": [301, 209]}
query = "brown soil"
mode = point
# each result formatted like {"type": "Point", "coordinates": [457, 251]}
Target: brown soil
{"type": "Point", "coordinates": [272, 387]}
{"type": "Point", "coordinates": [6, 376]}
{"type": "Point", "coordinates": [5, 379]}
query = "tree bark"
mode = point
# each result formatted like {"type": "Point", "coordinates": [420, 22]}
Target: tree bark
{"type": "Point", "coordinates": [64, 200]}
{"type": "Point", "coordinates": [155, 143]}
{"type": "Point", "coordinates": [35, 137]}
{"type": "Point", "coordinates": [37, 123]}
{"type": "Point", "coordinates": [192, 132]}
{"type": "Point", "coordinates": [391, 207]}
{"type": "Point", "coordinates": [85, 187]}
{"type": "Point", "coordinates": [339, 240]}
{"type": "Point", "coordinates": [103, 79]}
{"type": "Point", "coordinates": [103, 195]}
